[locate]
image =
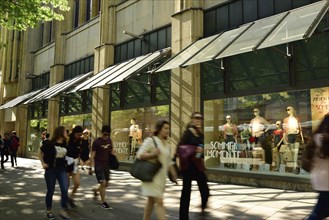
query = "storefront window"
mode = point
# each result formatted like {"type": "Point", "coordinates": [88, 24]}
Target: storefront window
{"type": "Point", "coordinates": [34, 130]}
{"type": "Point", "coordinates": [131, 126]}
{"type": "Point", "coordinates": [262, 133]}
{"type": "Point", "coordinates": [264, 69]}
{"type": "Point", "coordinates": [69, 122]}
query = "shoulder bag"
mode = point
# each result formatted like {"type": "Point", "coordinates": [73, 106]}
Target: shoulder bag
{"type": "Point", "coordinates": [145, 170]}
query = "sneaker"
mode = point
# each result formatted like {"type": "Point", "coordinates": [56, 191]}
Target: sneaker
{"type": "Point", "coordinates": [50, 215]}
{"type": "Point", "coordinates": [106, 206]}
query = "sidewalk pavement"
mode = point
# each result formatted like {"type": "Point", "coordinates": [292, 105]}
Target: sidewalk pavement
{"type": "Point", "coordinates": [22, 192]}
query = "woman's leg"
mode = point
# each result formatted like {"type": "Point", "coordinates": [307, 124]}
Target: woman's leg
{"type": "Point", "coordinates": [185, 196]}
{"type": "Point", "coordinates": [160, 209]}
{"type": "Point", "coordinates": [320, 210]}
{"type": "Point", "coordinates": [148, 208]}
{"type": "Point", "coordinates": [50, 177]}
{"type": "Point", "coordinates": [61, 176]}
{"type": "Point", "coordinates": [202, 180]}
{"type": "Point", "coordinates": [76, 183]}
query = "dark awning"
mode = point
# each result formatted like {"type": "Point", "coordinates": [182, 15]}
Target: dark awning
{"type": "Point", "coordinates": [286, 27]}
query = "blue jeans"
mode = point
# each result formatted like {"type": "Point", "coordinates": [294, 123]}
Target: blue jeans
{"type": "Point", "coordinates": [321, 210]}
{"type": "Point", "coordinates": [51, 175]}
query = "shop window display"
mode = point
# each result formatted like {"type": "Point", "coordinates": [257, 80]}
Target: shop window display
{"type": "Point", "coordinates": [131, 126]}
{"type": "Point", "coordinates": [34, 132]}
{"type": "Point", "coordinates": [262, 133]}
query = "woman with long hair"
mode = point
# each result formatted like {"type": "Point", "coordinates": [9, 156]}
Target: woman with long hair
{"type": "Point", "coordinates": [52, 156]}
{"type": "Point", "coordinates": [73, 151]}
{"type": "Point", "coordinates": [156, 147]}
{"type": "Point", "coordinates": [193, 168]}
{"type": "Point", "coordinates": [320, 170]}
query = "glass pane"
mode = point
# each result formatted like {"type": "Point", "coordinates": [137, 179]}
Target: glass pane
{"type": "Point", "coordinates": [247, 73]}
{"type": "Point", "coordinates": [249, 39]}
{"type": "Point", "coordinates": [146, 45]}
{"type": "Point", "coordinates": [117, 56]}
{"type": "Point", "coordinates": [168, 36]}
{"type": "Point", "coordinates": [209, 23]}
{"type": "Point", "coordinates": [244, 133]}
{"type": "Point", "coordinates": [34, 129]}
{"type": "Point", "coordinates": [130, 54]}
{"type": "Point", "coordinates": [137, 92]}
{"type": "Point", "coordinates": [249, 10]}
{"type": "Point", "coordinates": [123, 52]}
{"type": "Point", "coordinates": [312, 61]}
{"type": "Point", "coordinates": [69, 122]}
{"type": "Point", "coordinates": [300, 3]}
{"type": "Point", "coordinates": [153, 42]}
{"type": "Point", "coordinates": [126, 142]}
{"type": "Point", "coordinates": [137, 48]}
{"type": "Point", "coordinates": [216, 46]}
{"type": "Point", "coordinates": [294, 26]}
{"type": "Point", "coordinates": [212, 78]}
{"type": "Point", "coordinates": [222, 19]}
{"type": "Point", "coordinates": [186, 54]}
{"type": "Point", "coordinates": [162, 89]}
{"type": "Point", "coordinates": [162, 38]}
{"type": "Point", "coordinates": [282, 6]}
{"type": "Point", "coordinates": [115, 95]}
{"type": "Point", "coordinates": [265, 8]}
{"type": "Point", "coordinates": [235, 8]}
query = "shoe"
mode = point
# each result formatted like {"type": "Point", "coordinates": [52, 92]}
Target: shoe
{"type": "Point", "coordinates": [50, 215]}
{"type": "Point", "coordinates": [72, 203]}
{"type": "Point", "coordinates": [106, 206]}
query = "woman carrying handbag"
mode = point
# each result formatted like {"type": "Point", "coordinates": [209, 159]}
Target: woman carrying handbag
{"type": "Point", "coordinates": [158, 148]}
{"type": "Point", "coordinates": [192, 167]}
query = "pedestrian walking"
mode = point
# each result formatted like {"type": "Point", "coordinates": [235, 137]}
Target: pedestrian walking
{"type": "Point", "coordinates": [194, 168]}
{"type": "Point", "coordinates": [14, 145]}
{"type": "Point", "coordinates": [320, 170]}
{"type": "Point", "coordinates": [73, 151]}
{"type": "Point", "coordinates": [85, 148]}
{"type": "Point", "coordinates": [100, 159]}
{"type": "Point", "coordinates": [158, 147]}
{"type": "Point", "coordinates": [5, 150]}
{"type": "Point", "coordinates": [52, 156]}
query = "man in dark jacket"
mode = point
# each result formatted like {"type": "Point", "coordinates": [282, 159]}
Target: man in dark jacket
{"type": "Point", "coordinates": [14, 145]}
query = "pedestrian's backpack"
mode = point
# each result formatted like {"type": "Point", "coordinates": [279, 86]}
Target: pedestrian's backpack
{"type": "Point", "coordinates": [14, 143]}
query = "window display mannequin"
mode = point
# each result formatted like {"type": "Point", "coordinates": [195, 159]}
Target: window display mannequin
{"type": "Point", "coordinates": [135, 136]}
{"type": "Point", "coordinates": [259, 127]}
{"type": "Point", "coordinates": [230, 130]}
{"type": "Point", "coordinates": [292, 129]}
{"type": "Point", "coordinates": [278, 137]}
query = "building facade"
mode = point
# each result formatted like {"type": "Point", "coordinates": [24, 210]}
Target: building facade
{"type": "Point", "coordinates": [258, 70]}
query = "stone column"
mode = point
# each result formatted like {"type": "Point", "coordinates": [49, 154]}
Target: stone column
{"type": "Point", "coordinates": [104, 57]}
{"type": "Point", "coordinates": [187, 27]}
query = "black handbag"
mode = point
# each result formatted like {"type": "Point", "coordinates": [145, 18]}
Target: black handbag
{"type": "Point", "coordinates": [113, 162]}
{"type": "Point", "coordinates": [145, 170]}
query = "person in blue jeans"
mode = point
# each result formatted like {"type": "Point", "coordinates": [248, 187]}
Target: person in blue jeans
{"type": "Point", "coordinates": [193, 168]}
{"type": "Point", "coordinates": [52, 156]}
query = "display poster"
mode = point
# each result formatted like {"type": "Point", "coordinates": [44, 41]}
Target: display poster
{"type": "Point", "coordinates": [319, 105]}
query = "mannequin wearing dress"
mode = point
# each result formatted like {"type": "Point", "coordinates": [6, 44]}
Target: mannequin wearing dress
{"type": "Point", "coordinates": [135, 136]}
{"type": "Point", "coordinates": [292, 129]}
{"type": "Point", "coordinates": [278, 138]}
{"type": "Point", "coordinates": [230, 130]}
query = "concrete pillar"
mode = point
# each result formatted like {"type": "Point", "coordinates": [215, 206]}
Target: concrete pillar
{"type": "Point", "coordinates": [104, 57]}
{"type": "Point", "coordinates": [69, 16]}
{"type": "Point", "coordinates": [187, 27]}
